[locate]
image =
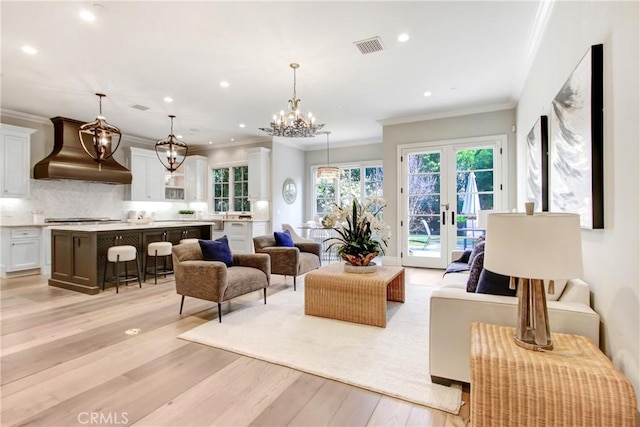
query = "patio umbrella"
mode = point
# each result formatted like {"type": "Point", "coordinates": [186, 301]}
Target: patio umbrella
{"type": "Point", "coordinates": [471, 201]}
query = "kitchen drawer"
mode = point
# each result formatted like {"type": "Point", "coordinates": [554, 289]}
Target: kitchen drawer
{"type": "Point", "coordinates": [25, 233]}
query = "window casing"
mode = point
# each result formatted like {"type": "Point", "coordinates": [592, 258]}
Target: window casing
{"type": "Point", "coordinates": [360, 182]}
{"type": "Point", "coordinates": [230, 192]}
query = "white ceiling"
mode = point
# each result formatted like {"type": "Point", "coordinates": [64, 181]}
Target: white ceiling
{"type": "Point", "coordinates": [472, 55]}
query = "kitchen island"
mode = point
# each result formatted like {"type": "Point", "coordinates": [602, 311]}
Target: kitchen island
{"type": "Point", "coordinates": [79, 251]}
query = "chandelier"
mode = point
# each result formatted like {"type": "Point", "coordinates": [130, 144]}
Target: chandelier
{"type": "Point", "coordinates": [97, 137]}
{"type": "Point", "coordinates": [293, 124]}
{"type": "Point", "coordinates": [171, 151]}
{"type": "Point", "coordinates": [328, 172]}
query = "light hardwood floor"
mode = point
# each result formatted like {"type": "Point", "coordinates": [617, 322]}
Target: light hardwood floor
{"type": "Point", "coordinates": [66, 360]}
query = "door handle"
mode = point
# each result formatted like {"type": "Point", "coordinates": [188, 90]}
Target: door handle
{"type": "Point", "coordinates": [453, 218]}
{"type": "Point", "coordinates": [444, 220]}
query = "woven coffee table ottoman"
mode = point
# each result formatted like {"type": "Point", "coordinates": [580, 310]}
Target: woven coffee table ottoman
{"type": "Point", "coordinates": [358, 298]}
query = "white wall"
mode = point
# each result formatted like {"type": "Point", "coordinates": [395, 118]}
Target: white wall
{"type": "Point", "coordinates": [611, 256]}
{"type": "Point", "coordinates": [482, 124]}
{"type": "Point", "coordinates": [287, 162]}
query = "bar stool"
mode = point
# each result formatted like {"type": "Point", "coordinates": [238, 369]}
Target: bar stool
{"type": "Point", "coordinates": [183, 241]}
{"type": "Point", "coordinates": [118, 254]}
{"type": "Point", "coordinates": [156, 250]}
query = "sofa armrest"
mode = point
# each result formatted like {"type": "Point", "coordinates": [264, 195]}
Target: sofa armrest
{"type": "Point", "coordinates": [311, 247]}
{"type": "Point", "coordinates": [284, 259]}
{"type": "Point", "coordinates": [260, 261]}
{"type": "Point", "coordinates": [577, 291]}
{"type": "Point", "coordinates": [201, 279]}
{"type": "Point", "coordinates": [452, 312]}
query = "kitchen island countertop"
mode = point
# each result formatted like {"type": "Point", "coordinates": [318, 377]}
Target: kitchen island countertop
{"type": "Point", "coordinates": [122, 226]}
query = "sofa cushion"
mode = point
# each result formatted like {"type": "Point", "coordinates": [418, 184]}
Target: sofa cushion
{"type": "Point", "coordinates": [474, 272]}
{"type": "Point", "coordinates": [283, 238]}
{"type": "Point", "coordinates": [478, 248]}
{"type": "Point", "coordinates": [216, 250]}
{"type": "Point", "coordinates": [494, 283]}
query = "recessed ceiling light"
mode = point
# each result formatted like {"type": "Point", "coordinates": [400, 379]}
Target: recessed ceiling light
{"type": "Point", "coordinates": [224, 84]}
{"type": "Point", "coordinates": [29, 49]}
{"type": "Point", "coordinates": [85, 15]}
{"type": "Point", "coordinates": [241, 125]}
{"type": "Point", "coordinates": [232, 139]}
{"type": "Point", "coordinates": [403, 37]}
{"type": "Point", "coordinates": [210, 142]}
{"type": "Point", "coordinates": [427, 93]}
{"type": "Point", "coordinates": [168, 99]}
{"type": "Point", "coordinates": [179, 136]}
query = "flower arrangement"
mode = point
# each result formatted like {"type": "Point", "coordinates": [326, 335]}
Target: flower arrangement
{"type": "Point", "coordinates": [355, 226]}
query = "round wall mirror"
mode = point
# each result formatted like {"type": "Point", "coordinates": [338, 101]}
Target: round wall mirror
{"type": "Point", "coordinates": [289, 191]}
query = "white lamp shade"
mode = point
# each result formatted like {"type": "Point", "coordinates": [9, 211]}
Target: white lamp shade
{"type": "Point", "coordinates": [540, 246]}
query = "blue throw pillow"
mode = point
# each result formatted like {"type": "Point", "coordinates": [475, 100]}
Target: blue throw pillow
{"type": "Point", "coordinates": [494, 283]}
{"type": "Point", "coordinates": [217, 250]}
{"type": "Point", "coordinates": [283, 238]}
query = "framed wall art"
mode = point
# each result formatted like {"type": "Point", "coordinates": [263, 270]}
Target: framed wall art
{"type": "Point", "coordinates": [576, 143]}
{"type": "Point", "coordinates": [538, 165]}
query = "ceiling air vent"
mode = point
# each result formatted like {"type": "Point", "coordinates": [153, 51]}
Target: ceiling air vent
{"type": "Point", "coordinates": [371, 45]}
{"type": "Point", "coordinates": [140, 107]}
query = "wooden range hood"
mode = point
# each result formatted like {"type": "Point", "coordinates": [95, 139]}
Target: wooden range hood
{"type": "Point", "coordinates": [68, 159]}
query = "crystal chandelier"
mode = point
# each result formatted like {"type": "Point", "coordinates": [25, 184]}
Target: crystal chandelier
{"type": "Point", "coordinates": [171, 151]}
{"type": "Point", "coordinates": [328, 172]}
{"type": "Point", "coordinates": [99, 136]}
{"type": "Point", "coordinates": [293, 124]}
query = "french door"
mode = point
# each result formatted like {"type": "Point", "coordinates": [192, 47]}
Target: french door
{"type": "Point", "coordinates": [443, 189]}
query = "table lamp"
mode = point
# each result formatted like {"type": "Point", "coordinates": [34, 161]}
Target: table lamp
{"type": "Point", "coordinates": [533, 248]}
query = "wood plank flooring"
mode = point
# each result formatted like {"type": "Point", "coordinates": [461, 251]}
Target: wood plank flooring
{"type": "Point", "coordinates": [67, 361]}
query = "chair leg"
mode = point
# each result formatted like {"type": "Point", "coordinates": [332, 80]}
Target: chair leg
{"type": "Point", "coordinates": [294, 283]}
{"type": "Point", "coordinates": [181, 304]}
{"type": "Point", "coordinates": [118, 274]}
{"type": "Point", "coordinates": [155, 270]}
{"type": "Point", "coordinates": [138, 270]}
{"type": "Point", "coordinates": [264, 291]}
{"type": "Point", "coordinates": [220, 312]}
{"type": "Point", "coordinates": [145, 265]}
{"type": "Point", "coordinates": [104, 273]}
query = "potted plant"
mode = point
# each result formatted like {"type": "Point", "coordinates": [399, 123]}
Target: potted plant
{"type": "Point", "coordinates": [361, 235]}
{"type": "Point", "coordinates": [186, 213]}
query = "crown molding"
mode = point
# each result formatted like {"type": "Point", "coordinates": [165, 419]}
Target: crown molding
{"type": "Point", "coordinates": [25, 116]}
{"type": "Point", "coordinates": [447, 114]}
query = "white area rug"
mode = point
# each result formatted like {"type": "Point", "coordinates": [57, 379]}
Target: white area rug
{"type": "Point", "coordinates": [392, 360]}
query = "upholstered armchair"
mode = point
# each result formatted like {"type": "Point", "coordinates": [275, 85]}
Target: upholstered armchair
{"type": "Point", "coordinates": [213, 280]}
{"type": "Point", "coordinates": [289, 261]}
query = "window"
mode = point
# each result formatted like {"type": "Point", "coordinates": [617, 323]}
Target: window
{"type": "Point", "coordinates": [359, 182]}
{"type": "Point", "coordinates": [232, 178]}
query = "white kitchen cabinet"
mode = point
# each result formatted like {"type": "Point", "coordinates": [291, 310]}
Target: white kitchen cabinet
{"type": "Point", "coordinates": [241, 233]}
{"type": "Point", "coordinates": [258, 173]}
{"type": "Point", "coordinates": [15, 149]}
{"type": "Point", "coordinates": [20, 250]}
{"type": "Point", "coordinates": [195, 173]}
{"type": "Point", "coordinates": [148, 176]}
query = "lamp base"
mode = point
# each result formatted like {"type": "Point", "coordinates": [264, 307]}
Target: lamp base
{"type": "Point", "coordinates": [532, 331]}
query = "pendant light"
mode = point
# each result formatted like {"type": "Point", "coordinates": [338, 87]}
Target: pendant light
{"type": "Point", "coordinates": [171, 151]}
{"type": "Point", "coordinates": [293, 124]}
{"type": "Point", "coordinates": [97, 137]}
{"type": "Point", "coordinates": [328, 172]}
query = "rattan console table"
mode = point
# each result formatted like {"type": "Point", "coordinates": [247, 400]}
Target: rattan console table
{"type": "Point", "coordinates": [359, 298]}
{"type": "Point", "coordinates": [512, 386]}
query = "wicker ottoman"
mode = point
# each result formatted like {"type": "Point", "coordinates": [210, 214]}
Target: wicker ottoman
{"type": "Point", "coordinates": [359, 298]}
{"type": "Point", "coordinates": [512, 386]}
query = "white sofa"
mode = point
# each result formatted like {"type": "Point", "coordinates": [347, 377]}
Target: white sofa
{"type": "Point", "coordinates": [453, 309]}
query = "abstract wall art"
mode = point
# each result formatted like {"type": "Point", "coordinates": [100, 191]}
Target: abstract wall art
{"type": "Point", "coordinates": [576, 143]}
{"type": "Point", "coordinates": [538, 165]}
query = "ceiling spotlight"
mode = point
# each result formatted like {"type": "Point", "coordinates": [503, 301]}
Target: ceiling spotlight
{"type": "Point", "coordinates": [224, 84]}
{"type": "Point", "coordinates": [427, 94]}
{"type": "Point", "coordinates": [241, 125]}
{"type": "Point", "coordinates": [29, 50]}
{"type": "Point", "coordinates": [210, 142]}
{"type": "Point", "coordinates": [293, 124]}
{"type": "Point", "coordinates": [168, 99]}
{"type": "Point", "coordinates": [85, 15]}
{"type": "Point", "coordinates": [403, 37]}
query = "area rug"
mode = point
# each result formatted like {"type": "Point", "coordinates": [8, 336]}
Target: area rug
{"type": "Point", "coordinates": [393, 361]}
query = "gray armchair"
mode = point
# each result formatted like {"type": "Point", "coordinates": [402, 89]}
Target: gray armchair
{"type": "Point", "coordinates": [213, 280]}
{"type": "Point", "coordinates": [289, 261]}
